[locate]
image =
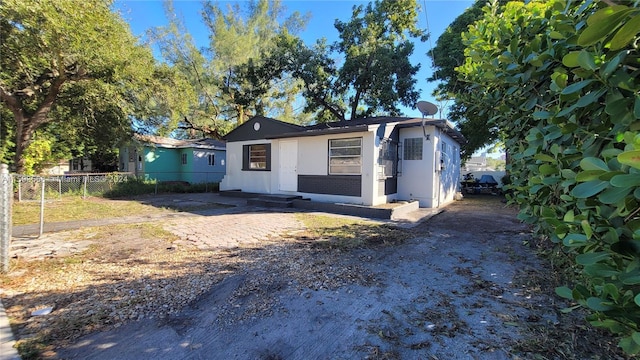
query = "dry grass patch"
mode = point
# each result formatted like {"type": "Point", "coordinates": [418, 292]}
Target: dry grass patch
{"type": "Point", "coordinates": [70, 208]}
{"type": "Point", "coordinates": [131, 272]}
{"type": "Point", "coordinates": [348, 233]}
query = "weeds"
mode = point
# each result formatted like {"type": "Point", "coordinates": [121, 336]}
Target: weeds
{"type": "Point", "coordinates": [345, 233]}
{"type": "Point", "coordinates": [135, 187]}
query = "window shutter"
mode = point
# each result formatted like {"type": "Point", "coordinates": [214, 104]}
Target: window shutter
{"type": "Point", "coordinates": [268, 156]}
{"type": "Point", "coordinates": [245, 157]}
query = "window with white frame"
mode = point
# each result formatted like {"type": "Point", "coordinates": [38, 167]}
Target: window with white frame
{"type": "Point", "coordinates": [412, 149]}
{"type": "Point", "coordinates": [345, 156]}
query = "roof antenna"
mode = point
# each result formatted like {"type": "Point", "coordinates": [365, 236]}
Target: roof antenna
{"type": "Point", "coordinates": [426, 109]}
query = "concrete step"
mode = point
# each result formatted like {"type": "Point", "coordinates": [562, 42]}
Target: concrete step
{"type": "Point", "coordinates": [269, 203]}
{"type": "Point", "coordinates": [238, 194]}
{"type": "Point", "coordinates": [274, 201]}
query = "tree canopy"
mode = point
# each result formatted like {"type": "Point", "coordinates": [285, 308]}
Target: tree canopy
{"type": "Point", "coordinates": [375, 75]}
{"type": "Point", "coordinates": [447, 55]}
{"type": "Point", "coordinates": [224, 83]}
{"type": "Point", "coordinates": [69, 65]}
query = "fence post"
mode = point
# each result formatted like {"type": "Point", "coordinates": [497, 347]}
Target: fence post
{"type": "Point", "coordinates": [6, 196]}
{"type": "Point", "coordinates": [84, 186]}
{"type": "Point", "coordinates": [41, 207]}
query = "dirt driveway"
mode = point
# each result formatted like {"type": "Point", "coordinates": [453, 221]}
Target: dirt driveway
{"type": "Point", "coordinates": [446, 293]}
{"type": "Point", "coordinates": [463, 285]}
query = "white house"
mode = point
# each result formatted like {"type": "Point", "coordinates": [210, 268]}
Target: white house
{"type": "Point", "coordinates": [368, 161]}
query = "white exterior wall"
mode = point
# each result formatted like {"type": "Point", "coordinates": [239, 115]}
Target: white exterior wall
{"type": "Point", "coordinates": [447, 180]}
{"type": "Point", "coordinates": [313, 159]}
{"type": "Point", "coordinates": [369, 168]}
{"type": "Point", "coordinates": [416, 177]}
{"type": "Point", "coordinates": [248, 181]}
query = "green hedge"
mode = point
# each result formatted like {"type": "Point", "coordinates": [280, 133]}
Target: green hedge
{"type": "Point", "coordinates": [135, 186]}
{"type": "Point", "coordinates": [561, 82]}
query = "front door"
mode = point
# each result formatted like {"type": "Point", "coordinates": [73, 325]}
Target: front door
{"type": "Point", "coordinates": [288, 165]}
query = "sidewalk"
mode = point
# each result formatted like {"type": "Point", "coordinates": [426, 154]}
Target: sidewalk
{"type": "Point", "coordinates": [7, 351]}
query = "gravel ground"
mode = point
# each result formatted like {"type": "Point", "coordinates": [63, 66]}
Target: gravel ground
{"type": "Point", "coordinates": [462, 285]}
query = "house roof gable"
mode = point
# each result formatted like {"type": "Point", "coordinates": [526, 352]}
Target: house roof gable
{"type": "Point", "coordinates": [260, 127]}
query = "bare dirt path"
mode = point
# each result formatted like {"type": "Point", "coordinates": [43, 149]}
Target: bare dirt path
{"type": "Point", "coordinates": [455, 290]}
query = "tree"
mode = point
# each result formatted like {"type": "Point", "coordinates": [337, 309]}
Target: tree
{"type": "Point", "coordinates": [225, 86]}
{"type": "Point", "coordinates": [447, 55]}
{"type": "Point", "coordinates": [376, 75]}
{"type": "Point", "coordinates": [52, 49]}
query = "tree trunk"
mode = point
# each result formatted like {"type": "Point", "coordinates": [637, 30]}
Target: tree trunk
{"type": "Point", "coordinates": [26, 125]}
{"type": "Point", "coordinates": [18, 160]}
{"type": "Point", "coordinates": [22, 141]}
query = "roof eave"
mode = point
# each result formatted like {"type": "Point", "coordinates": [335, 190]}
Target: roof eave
{"type": "Point", "coordinates": [327, 131]}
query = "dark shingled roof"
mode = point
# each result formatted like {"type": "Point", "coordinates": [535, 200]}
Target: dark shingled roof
{"type": "Point", "coordinates": [360, 125]}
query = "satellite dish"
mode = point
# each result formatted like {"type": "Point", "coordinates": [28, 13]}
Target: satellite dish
{"type": "Point", "coordinates": [427, 108]}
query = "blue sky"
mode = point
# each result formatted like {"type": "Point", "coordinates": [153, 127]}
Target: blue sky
{"type": "Point", "coordinates": [435, 16]}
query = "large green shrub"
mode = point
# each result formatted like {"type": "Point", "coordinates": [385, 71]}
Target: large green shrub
{"type": "Point", "coordinates": [560, 79]}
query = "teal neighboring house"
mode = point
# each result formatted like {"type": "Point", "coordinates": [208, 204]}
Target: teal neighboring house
{"type": "Point", "coordinates": [165, 159]}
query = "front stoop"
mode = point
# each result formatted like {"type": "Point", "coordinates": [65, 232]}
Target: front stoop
{"type": "Point", "coordinates": [358, 210]}
{"type": "Point", "coordinates": [273, 201]}
{"type": "Point", "coordinates": [396, 213]}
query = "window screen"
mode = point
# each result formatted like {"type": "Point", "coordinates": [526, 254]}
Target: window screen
{"type": "Point", "coordinates": [345, 156]}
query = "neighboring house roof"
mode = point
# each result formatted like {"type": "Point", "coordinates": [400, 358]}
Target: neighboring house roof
{"type": "Point", "coordinates": [159, 141]}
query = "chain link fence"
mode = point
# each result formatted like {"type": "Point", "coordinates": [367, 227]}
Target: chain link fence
{"type": "Point", "coordinates": [30, 188]}
{"type": "Point", "coordinates": [53, 187]}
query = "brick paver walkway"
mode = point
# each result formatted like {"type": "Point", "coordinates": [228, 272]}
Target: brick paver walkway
{"type": "Point", "coordinates": [233, 230]}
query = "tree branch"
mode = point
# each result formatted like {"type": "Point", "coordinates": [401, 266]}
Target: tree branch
{"type": "Point", "coordinates": [189, 125]}
{"type": "Point", "coordinates": [9, 99]}
{"type": "Point", "coordinates": [360, 87]}
{"type": "Point", "coordinates": [39, 117]}
{"type": "Point", "coordinates": [318, 98]}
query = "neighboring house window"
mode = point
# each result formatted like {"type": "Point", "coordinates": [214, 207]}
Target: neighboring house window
{"type": "Point", "coordinates": [183, 159]}
{"type": "Point", "coordinates": [256, 157]}
{"type": "Point", "coordinates": [212, 159]}
{"type": "Point", "coordinates": [413, 149]}
{"type": "Point", "coordinates": [345, 156]}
